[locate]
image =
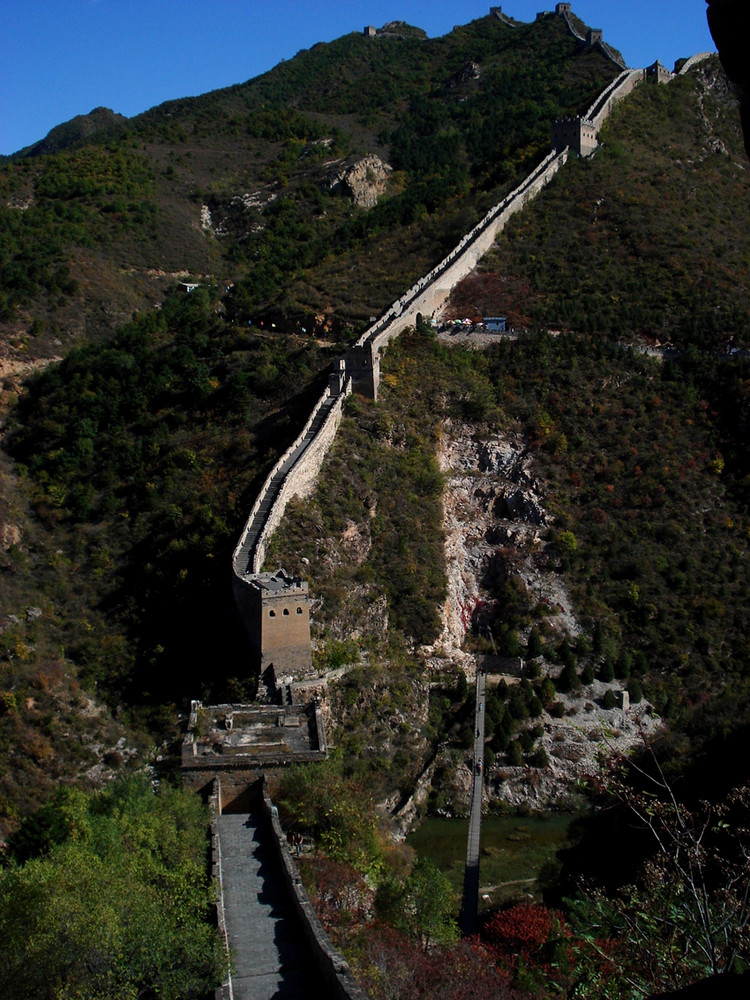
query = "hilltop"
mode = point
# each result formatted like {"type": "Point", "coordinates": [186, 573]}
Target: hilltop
{"type": "Point", "coordinates": [242, 185]}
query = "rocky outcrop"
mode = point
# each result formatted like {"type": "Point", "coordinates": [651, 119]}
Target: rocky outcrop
{"type": "Point", "coordinates": [492, 504]}
{"type": "Point", "coordinates": [363, 182]}
{"type": "Point", "coordinates": [468, 72]}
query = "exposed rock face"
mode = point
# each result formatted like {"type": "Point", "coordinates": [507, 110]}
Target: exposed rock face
{"type": "Point", "coordinates": [492, 501]}
{"type": "Point", "coordinates": [239, 216]}
{"type": "Point", "coordinates": [495, 516]}
{"type": "Point", "coordinates": [10, 535]}
{"type": "Point", "coordinates": [467, 73]}
{"type": "Point", "coordinates": [363, 182]}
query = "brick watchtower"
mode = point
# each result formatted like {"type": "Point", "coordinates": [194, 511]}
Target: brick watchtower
{"type": "Point", "coordinates": [275, 608]}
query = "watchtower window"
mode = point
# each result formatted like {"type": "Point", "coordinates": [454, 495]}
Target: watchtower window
{"type": "Point", "coordinates": [299, 611]}
{"type": "Point", "coordinates": [271, 613]}
{"type": "Point", "coordinates": [286, 611]}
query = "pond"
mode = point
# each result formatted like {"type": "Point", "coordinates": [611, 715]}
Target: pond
{"type": "Point", "coordinates": [514, 851]}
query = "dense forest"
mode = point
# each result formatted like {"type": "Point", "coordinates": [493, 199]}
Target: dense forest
{"type": "Point", "coordinates": [130, 463]}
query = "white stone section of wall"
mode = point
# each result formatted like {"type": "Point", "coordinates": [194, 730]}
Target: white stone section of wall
{"type": "Point", "coordinates": [620, 87]}
{"type": "Point", "coordinates": [694, 60]}
{"type": "Point", "coordinates": [433, 290]}
{"type": "Point", "coordinates": [301, 478]}
{"type": "Point", "coordinates": [326, 433]}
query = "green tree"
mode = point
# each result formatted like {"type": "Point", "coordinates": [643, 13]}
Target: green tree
{"type": "Point", "coordinates": [430, 905]}
{"type": "Point", "coordinates": [534, 647]}
{"type": "Point", "coordinates": [117, 909]}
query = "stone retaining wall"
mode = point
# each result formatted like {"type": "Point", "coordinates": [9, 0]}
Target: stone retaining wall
{"type": "Point", "coordinates": [333, 966]}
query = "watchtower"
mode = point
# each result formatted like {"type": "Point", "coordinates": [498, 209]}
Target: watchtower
{"type": "Point", "coordinates": [658, 73]}
{"type": "Point", "coordinates": [363, 367]}
{"type": "Point", "coordinates": [562, 9]}
{"type": "Point", "coordinates": [577, 134]}
{"type": "Point", "coordinates": [275, 608]}
{"type": "Point", "coordinates": [594, 36]}
{"type": "Point", "coordinates": [370, 31]}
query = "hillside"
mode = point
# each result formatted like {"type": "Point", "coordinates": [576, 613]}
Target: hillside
{"type": "Point", "coordinates": [239, 185]}
{"type": "Point", "coordinates": [609, 546]}
{"type": "Point", "coordinates": [644, 239]}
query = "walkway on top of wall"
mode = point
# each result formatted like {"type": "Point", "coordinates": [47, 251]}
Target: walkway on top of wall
{"type": "Point", "coordinates": [245, 552]}
{"type": "Point", "coordinates": [270, 957]}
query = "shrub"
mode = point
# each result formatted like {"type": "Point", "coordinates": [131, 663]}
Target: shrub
{"type": "Point", "coordinates": [607, 672]}
{"type": "Point", "coordinates": [610, 699]}
{"type": "Point", "coordinates": [568, 679]}
{"type": "Point", "coordinates": [534, 646]}
{"type": "Point", "coordinates": [635, 690]}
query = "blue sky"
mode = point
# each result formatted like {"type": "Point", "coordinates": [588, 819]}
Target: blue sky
{"type": "Point", "coordinates": [61, 58]}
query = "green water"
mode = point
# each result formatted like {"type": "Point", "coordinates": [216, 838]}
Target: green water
{"type": "Point", "coordinates": [514, 850]}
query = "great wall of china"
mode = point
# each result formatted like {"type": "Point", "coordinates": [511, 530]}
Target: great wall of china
{"type": "Point", "coordinates": [275, 606]}
{"type": "Point", "coordinates": [295, 472]}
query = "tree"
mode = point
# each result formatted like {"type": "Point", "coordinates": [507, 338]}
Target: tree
{"type": "Point", "coordinates": [534, 647]}
{"type": "Point", "coordinates": [424, 906]}
{"type": "Point", "coordinates": [116, 908]}
{"type": "Point", "coordinates": [431, 905]}
{"type": "Point", "coordinates": [609, 700]}
{"type": "Point", "coordinates": [607, 671]}
{"type": "Point", "coordinates": [568, 679]}
{"type": "Point", "coordinates": [688, 916]}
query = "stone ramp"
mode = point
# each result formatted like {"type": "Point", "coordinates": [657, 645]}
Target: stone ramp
{"type": "Point", "coordinates": [270, 959]}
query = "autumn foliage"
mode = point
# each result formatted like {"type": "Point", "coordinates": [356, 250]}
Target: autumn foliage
{"type": "Point", "coordinates": [529, 940]}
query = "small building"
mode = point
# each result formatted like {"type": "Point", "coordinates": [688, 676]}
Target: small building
{"type": "Point", "coordinates": [658, 73]}
{"type": "Point", "coordinates": [494, 324]}
{"type": "Point", "coordinates": [275, 608]}
{"type": "Point", "coordinates": [370, 31]}
{"type": "Point", "coordinates": [189, 286]}
{"type": "Point", "coordinates": [577, 134]}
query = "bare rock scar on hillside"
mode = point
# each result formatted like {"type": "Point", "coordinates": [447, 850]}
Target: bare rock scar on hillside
{"type": "Point", "coordinates": [363, 181]}
{"type": "Point", "coordinates": [495, 510]}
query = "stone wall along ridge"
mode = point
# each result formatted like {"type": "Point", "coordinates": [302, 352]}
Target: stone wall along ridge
{"type": "Point", "coordinates": [694, 60]}
{"type": "Point", "coordinates": [300, 480]}
{"type": "Point", "coordinates": [433, 290]}
{"type": "Point", "coordinates": [602, 46]}
{"type": "Point", "coordinates": [297, 474]}
{"type": "Point", "coordinates": [425, 297]}
{"type": "Point", "coordinates": [620, 87]}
